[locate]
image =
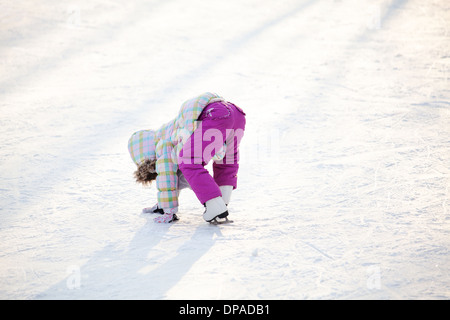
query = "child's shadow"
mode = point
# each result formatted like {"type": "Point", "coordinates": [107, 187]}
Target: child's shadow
{"type": "Point", "coordinates": [135, 271]}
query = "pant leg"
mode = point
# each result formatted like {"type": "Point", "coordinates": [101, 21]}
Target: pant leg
{"type": "Point", "coordinates": [225, 171]}
{"type": "Point", "coordinates": [203, 144]}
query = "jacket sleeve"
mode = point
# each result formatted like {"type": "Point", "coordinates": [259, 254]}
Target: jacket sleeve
{"type": "Point", "coordinates": [167, 179]}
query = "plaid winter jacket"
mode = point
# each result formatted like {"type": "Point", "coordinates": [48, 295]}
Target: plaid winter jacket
{"type": "Point", "coordinates": [165, 144]}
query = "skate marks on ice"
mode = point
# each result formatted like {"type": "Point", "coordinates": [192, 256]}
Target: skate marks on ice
{"type": "Point", "coordinates": [359, 209]}
{"type": "Point", "coordinates": [370, 173]}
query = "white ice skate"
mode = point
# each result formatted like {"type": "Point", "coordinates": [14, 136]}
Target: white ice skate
{"type": "Point", "coordinates": [215, 208]}
{"type": "Point", "coordinates": [226, 193]}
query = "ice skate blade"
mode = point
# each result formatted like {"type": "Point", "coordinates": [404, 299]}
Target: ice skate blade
{"type": "Point", "coordinates": [221, 221]}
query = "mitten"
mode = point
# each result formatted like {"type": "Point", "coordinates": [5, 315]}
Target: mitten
{"type": "Point", "coordinates": [153, 209]}
{"type": "Point", "coordinates": [167, 217]}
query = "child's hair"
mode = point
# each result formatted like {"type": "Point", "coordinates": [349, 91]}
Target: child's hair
{"type": "Point", "coordinates": [146, 172]}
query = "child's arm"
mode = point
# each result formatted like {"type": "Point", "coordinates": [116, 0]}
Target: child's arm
{"type": "Point", "coordinates": [167, 179]}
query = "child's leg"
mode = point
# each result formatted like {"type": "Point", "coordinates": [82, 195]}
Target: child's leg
{"type": "Point", "coordinates": [225, 171]}
{"type": "Point", "coordinates": [201, 147]}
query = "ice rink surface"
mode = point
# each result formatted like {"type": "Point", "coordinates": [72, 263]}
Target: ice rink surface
{"type": "Point", "coordinates": [343, 188]}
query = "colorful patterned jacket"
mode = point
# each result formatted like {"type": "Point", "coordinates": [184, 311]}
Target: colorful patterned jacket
{"type": "Point", "coordinates": [165, 144]}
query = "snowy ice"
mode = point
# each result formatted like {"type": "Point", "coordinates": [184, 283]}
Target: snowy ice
{"type": "Point", "coordinates": [343, 188]}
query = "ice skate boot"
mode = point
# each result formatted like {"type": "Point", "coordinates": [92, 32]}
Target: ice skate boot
{"type": "Point", "coordinates": [215, 208]}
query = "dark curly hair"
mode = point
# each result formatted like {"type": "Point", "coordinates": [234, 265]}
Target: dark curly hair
{"type": "Point", "coordinates": [146, 172]}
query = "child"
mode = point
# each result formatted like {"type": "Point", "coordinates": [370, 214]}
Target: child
{"type": "Point", "coordinates": [206, 128]}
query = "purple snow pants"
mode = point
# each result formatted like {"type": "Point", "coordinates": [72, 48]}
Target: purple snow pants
{"type": "Point", "coordinates": [220, 122]}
